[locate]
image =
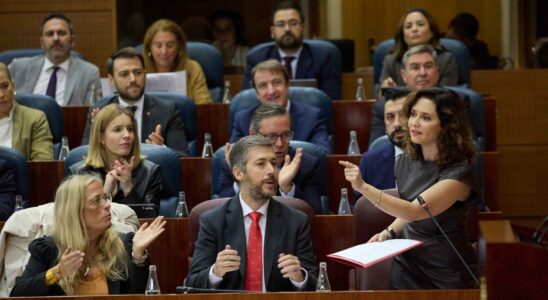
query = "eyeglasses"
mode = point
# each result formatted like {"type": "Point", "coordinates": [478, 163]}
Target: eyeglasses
{"type": "Point", "coordinates": [273, 137]}
{"type": "Point", "coordinates": [95, 202]}
{"type": "Point", "coordinates": [292, 23]}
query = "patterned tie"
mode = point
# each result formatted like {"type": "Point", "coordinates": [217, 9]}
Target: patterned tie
{"type": "Point", "coordinates": [287, 65]}
{"type": "Point", "coordinates": [254, 270]}
{"type": "Point", "coordinates": [52, 84]}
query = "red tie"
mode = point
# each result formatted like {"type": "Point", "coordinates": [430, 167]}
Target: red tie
{"type": "Point", "coordinates": [254, 270]}
{"type": "Point", "coordinates": [287, 65]}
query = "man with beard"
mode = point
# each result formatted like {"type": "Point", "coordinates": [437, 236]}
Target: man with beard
{"type": "Point", "coordinates": [229, 252]}
{"type": "Point", "coordinates": [377, 165]}
{"type": "Point", "coordinates": [158, 120]}
{"type": "Point", "coordinates": [300, 59]}
{"type": "Point", "coordinates": [66, 78]}
{"type": "Point", "coordinates": [419, 71]}
{"type": "Point", "coordinates": [299, 174]}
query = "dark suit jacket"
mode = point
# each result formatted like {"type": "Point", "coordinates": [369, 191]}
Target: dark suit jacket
{"type": "Point", "coordinates": [287, 231]}
{"type": "Point", "coordinates": [307, 122]}
{"type": "Point", "coordinates": [146, 180]}
{"type": "Point", "coordinates": [377, 167]}
{"type": "Point", "coordinates": [44, 253]}
{"type": "Point", "coordinates": [309, 185]}
{"type": "Point", "coordinates": [7, 190]}
{"type": "Point", "coordinates": [155, 111]}
{"type": "Point", "coordinates": [313, 63]}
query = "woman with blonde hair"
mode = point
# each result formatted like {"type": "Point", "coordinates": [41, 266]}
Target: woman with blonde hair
{"type": "Point", "coordinates": [164, 49]}
{"type": "Point", "coordinates": [114, 155]}
{"type": "Point", "coordinates": [84, 255]}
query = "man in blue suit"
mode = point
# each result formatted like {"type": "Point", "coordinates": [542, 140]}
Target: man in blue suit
{"type": "Point", "coordinates": [271, 83]}
{"type": "Point", "coordinates": [300, 59]}
{"type": "Point", "coordinates": [299, 174]}
{"type": "Point", "coordinates": [377, 165]}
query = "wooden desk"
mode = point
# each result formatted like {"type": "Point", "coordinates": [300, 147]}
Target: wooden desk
{"type": "Point", "coordinates": [212, 118]}
{"type": "Point", "coordinates": [196, 179]}
{"type": "Point", "coordinates": [74, 123]}
{"type": "Point", "coordinates": [337, 181]}
{"type": "Point", "coordinates": [351, 115]}
{"type": "Point", "coordinates": [350, 295]}
{"type": "Point", "coordinates": [44, 178]}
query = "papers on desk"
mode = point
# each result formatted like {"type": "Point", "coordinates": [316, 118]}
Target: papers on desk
{"type": "Point", "coordinates": [173, 82]}
{"type": "Point", "coordinates": [368, 254]}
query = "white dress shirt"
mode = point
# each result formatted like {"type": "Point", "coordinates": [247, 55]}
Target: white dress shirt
{"type": "Point", "coordinates": [138, 113]}
{"type": "Point", "coordinates": [294, 62]}
{"type": "Point", "coordinates": [45, 75]}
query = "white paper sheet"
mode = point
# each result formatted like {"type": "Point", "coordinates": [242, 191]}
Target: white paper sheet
{"type": "Point", "coordinates": [173, 82]}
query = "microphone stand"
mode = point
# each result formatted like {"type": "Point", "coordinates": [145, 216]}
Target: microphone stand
{"type": "Point", "coordinates": [425, 207]}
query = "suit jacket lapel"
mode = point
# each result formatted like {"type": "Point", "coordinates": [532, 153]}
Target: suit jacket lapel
{"type": "Point", "coordinates": [304, 63]}
{"type": "Point", "coordinates": [72, 76]}
{"type": "Point", "coordinates": [147, 119]}
{"type": "Point", "coordinates": [235, 231]}
{"type": "Point", "coordinates": [274, 223]}
{"type": "Point", "coordinates": [32, 76]}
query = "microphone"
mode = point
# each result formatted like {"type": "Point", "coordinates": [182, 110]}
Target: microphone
{"type": "Point", "coordinates": [425, 207]}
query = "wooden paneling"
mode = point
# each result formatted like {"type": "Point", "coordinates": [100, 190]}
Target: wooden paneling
{"type": "Point", "coordinates": [521, 122]}
{"type": "Point", "coordinates": [196, 179]}
{"type": "Point", "coordinates": [337, 180]}
{"type": "Point", "coordinates": [371, 22]}
{"type": "Point", "coordinates": [94, 26]}
{"type": "Point", "coordinates": [351, 115]}
{"type": "Point", "coordinates": [44, 178]}
{"type": "Point", "coordinates": [212, 118]}
{"type": "Point", "coordinates": [74, 123]}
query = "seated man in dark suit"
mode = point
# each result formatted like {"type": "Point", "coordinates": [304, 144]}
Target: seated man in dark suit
{"type": "Point", "coordinates": [302, 60]}
{"type": "Point", "coordinates": [158, 120]}
{"type": "Point", "coordinates": [7, 190]}
{"type": "Point", "coordinates": [271, 84]}
{"type": "Point", "coordinates": [377, 165]}
{"type": "Point", "coordinates": [229, 252]}
{"type": "Point", "coordinates": [299, 172]}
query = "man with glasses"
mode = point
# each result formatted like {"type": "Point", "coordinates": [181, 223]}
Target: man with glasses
{"type": "Point", "coordinates": [271, 83]}
{"type": "Point", "coordinates": [300, 59]}
{"type": "Point", "coordinates": [158, 120]}
{"type": "Point", "coordinates": [299, 173]}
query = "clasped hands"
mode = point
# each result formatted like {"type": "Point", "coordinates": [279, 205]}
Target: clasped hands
{"type": "Point", "coordinates": [228, 260]}
{"type": "Point", "coordinates": [120, 172]}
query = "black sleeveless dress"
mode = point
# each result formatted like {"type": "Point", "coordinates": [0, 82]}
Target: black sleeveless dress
{"type": "Point", "coordinates": [434, 265]}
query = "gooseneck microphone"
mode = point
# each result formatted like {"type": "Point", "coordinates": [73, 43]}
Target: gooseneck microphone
{"type": "Point", "coordinates": [425, 207]}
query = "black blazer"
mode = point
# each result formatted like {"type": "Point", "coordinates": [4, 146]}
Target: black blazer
{"type": "Point", "coordinates": [146, 180]}
{"type": "Point", "coordinates": [155, 111]}
{"type": "Point", "coordinates": [44, 256]}
{"type": "Point", "coordinates": [287, 231]}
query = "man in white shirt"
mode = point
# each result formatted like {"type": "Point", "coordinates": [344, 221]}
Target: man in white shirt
{"type": "Point", "coordinates": [65, 77]}
{"type": "Point", "coordinates": [228, 255]}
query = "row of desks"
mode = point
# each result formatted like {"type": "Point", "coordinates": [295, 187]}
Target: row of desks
{"type": "Point", "coordinates": [45, 177]}
{"type": "Point", "coordinates": [214, 119]}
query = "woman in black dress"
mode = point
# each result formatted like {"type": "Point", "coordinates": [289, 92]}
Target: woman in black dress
{"type": "Point", "coordinates": [437, 165]}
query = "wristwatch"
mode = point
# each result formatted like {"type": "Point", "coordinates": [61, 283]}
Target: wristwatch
{"type": "Point", "coordinates": [392, 232]}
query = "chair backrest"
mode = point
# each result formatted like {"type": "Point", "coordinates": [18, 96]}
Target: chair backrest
{"type": "Point", "coordinates": [476, 114]}
{"type": "Point", "coordinates": [370, 221]}
{"type": "Point", "coordinates": [309, 95]}
{"type": "Point", "coordinates": [18, 163]}
{"type": "Point", "coordinates": [457, 48]}
{"type": "Point", "coordinates": [7, 56]}
{"type": "Point", "coordinates": [187, 112]}
{"type": "Point", "coordinates": [53, 113]}
{"type": "Point", "coordinates": [211, 61]}
{"type": "Point", "coordinates": [170, 172]}
{"type": "Point", "coordinates": [327, 46]}
{"type": "Point", "coordinates": [380, 141]}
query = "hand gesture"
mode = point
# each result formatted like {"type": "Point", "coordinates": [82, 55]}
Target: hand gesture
{"type": "Point", "coordinates": [388, 82]}
{"type": "Point", "coordinates": [290, 267]}
{"type": "Point", "coordinates": [352, 175]}
{"type": "Point", "coordinates": [227, 261]}
{"type": "Point", "coordinates": [70, 262]}
{"type": "Point", "coordinates": [380, 237]}
{"type": "Point", "coordinates": [289, 170]}
{"type": "Point", "coordinates": [156, 136]}
{"type": "Point", "coordinates": [147, 234]}
{"type": "Point", "coordinates": [121, 172]}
